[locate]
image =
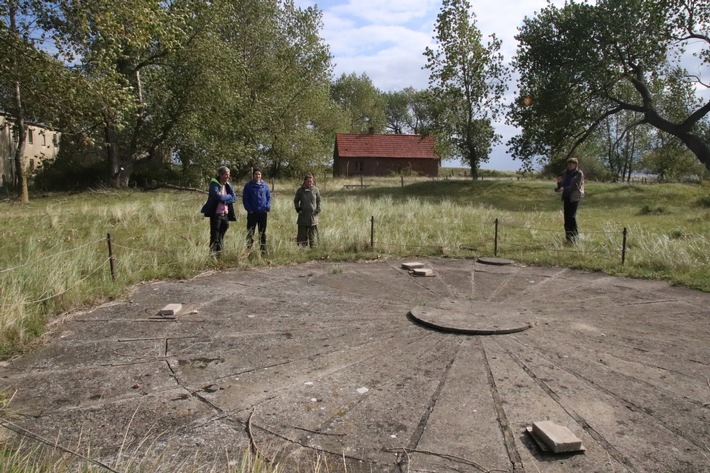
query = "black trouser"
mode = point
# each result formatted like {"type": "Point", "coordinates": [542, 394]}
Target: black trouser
{"type": "Point", "coordinates": [307, 235]}
{"type": "Point", "coordinates": [570, 211]}
{"type": "Point", "coordinates": [219, 224]}
{"type": "Point", "coordinates": [255, 219]}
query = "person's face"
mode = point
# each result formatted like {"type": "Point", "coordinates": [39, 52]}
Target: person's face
{"type": "Point", "coordinates": [257, 176]}
{"type": "Point", "coordinates": [223, 178]}
{"type": "Point", "coordinates": [308, 182]}
{"type": "Point", "coordinates": [571, 165]}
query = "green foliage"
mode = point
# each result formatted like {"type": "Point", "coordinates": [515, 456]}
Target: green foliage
{"type": "Point", "coordinates": [580, 64]}
{"type": "Point", "coordinates": [207, 83]}
{"type": "Point", "coordinates": [647, 210]}
{"type": "Point", "coordinates": [361, 102]}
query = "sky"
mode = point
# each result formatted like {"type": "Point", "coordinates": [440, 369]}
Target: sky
{"type": "Point", "coordinates": [386, 39]}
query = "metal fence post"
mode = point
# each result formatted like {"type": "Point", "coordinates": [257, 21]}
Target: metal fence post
{"type": "Point", "coordinates": [495, 243]}
{"type": "Point", "coordinates": [623, 248]}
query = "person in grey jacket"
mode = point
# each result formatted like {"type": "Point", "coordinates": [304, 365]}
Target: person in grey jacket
{"type": "Point", "coordinates": [571, 184]}
{"type": "Point", "coordinates": [307, 203]}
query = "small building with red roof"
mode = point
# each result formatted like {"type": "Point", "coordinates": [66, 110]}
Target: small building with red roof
{"type": "Point", "coordinates": [371, 154]}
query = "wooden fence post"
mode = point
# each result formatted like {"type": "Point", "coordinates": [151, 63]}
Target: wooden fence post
{"type": "Point", "coordinates": [110, 257]}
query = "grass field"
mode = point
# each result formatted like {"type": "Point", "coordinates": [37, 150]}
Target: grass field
{"type": "Point", "coordinates": [55, 259]}
{"type": "Point", "coordinates": [54, 256]}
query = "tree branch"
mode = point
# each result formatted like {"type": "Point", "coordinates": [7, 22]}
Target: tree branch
{"type": "Point", "coordinates": [593, 127]}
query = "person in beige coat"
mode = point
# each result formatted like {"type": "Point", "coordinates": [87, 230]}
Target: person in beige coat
{"type": "Point", "coordinates": [307, 203]}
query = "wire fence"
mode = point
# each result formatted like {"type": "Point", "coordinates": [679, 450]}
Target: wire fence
{"type": "Point", "coordinates": [499, 238]}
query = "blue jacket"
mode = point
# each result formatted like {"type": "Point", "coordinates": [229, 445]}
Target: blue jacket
{"type": "Point", "coordinates": [256, 197]}
{"type": "Point", "coordinates": [215, 196]}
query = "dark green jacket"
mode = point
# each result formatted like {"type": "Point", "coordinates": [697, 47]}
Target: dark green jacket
{"type": "Point", "coordinates": [307, 203]}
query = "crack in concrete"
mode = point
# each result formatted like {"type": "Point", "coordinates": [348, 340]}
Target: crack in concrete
{"type": "Point", "coordinates": [632, 406]}
{"type": "Point", "coordinates": [419, 430]}
{"type": "Point", "coordinates": [508, 439]}
{"type": "Point", "coordinates": [616, 454]}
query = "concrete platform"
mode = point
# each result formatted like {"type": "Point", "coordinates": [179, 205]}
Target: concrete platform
{"type": "Point", "coordinates": [323, 360]}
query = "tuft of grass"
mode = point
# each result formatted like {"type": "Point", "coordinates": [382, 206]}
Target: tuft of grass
{"type": "Point", "coordinates": [647, 210]}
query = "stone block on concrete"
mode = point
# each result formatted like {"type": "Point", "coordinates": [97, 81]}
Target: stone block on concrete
{"type": "Point", "coordinates": [557, 438]}
{"type": "Point", "coordinates": [423, 272]}
{"type": "Point", "coordinates": [412, 265]}
{"type": "Point", "coordinates": [170, 309]}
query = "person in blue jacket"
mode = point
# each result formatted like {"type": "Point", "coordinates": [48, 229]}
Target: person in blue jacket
{"type": "Point", "coordinates": [257, 202]}
{"type": "Point", "coordinates": [220, 209]}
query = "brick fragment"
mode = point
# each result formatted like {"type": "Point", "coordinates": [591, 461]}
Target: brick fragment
{"type": "Point", "coordinates": [170, 309]}
{"type": "Point", "coordinates": [557, 438]}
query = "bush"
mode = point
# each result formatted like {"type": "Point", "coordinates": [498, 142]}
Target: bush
{"type": "Point", "coordinates": [704, 202]}
{"type": "Point", "coordinates": [648, 210]}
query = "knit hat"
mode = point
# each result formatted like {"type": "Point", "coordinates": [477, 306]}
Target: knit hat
{"type": "Point", "coordinates": [573, 160]}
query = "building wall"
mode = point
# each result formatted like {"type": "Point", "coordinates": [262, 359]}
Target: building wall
{"type": "Point", "coordinates": [345, 167]}
{"type": "Point", "coordinates": [42, 144]}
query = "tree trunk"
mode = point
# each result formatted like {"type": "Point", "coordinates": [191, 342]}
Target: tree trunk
{"type": "Point", "coordinates": [23, 195]}
{"type": "Point", "coordinates": [697, 146]}
{"type": "Point", "coordinates": [114, 165]}
{"type": "Point", "coordinates": [21, 178]}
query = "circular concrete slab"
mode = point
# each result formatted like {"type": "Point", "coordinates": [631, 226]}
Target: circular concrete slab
{"type": "Point", "coordinates": [473, 317]}
{"type": "Point", "coordinates": [319, 361]}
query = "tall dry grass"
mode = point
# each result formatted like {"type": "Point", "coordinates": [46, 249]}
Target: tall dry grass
{"type": "Point", "coordinates": [54, 257]}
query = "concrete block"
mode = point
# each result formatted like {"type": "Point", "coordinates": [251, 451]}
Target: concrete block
{"type": "Point", "coordinates": [423, 272]}
{"type": "Point", "coordinates": [412, 265]}
{"type": "Point", "coordinates": [170, 309]}
{"type": "Point", "coordinates": [557, 438]}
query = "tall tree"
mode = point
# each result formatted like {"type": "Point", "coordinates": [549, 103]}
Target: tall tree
{"type": "Point", "coordinates": [468, 80]}
{"type": "Point", "coordinates": [121, 47]}
{"type": "Point", "coordinates": [408, 111]}
{"type": "Point", "coordinates": [264, 73]}
{"type": "Point", "coordinates": [578, 62]}
{"type": "Point", "coordinates": [361, 101]}
{"type": "Point", "coordinates": [33, 86]}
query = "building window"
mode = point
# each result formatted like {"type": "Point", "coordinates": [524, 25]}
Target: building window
{"type": "Point", "coordinates": [32, 165]}
{"type": "Point", "coordinates": [44, 139]}
{"type": "Point", "coordinates": [359, 166]}
{"type": "Point", "coordinates": [30, 136]}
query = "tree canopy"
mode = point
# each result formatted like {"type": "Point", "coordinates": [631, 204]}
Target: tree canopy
{"type": "Point", "coordinates": [467, 82]}
{"type": "Point", "coordinates": [581, 64]}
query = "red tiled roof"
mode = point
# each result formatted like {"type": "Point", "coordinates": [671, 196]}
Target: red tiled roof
{"type": "Point", "coordinates": [371, 145]}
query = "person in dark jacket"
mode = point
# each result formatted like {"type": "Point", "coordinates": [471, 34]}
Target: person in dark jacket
{"type": "Point", "coordinates": [571, 184]}
{"type": "Point", "coordinates": [257, 202]}
{"type": "Point", "coordinates": [307, 203]}
{"type": "Point", "coordinates": [220, 209]}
